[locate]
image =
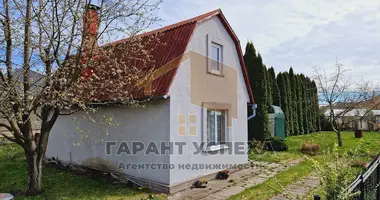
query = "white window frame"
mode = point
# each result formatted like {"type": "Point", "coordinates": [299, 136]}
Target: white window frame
{"type": "Point", "coordinates": [216, 42]}
{"type": "Point", "coordinates": [219, 57]}
{"type": "Point", "coordinates": [222, 113]}
{"type": "Point", "coordinates": [226, 108]}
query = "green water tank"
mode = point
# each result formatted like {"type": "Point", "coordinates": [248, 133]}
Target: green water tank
{"type": "Point", "coordinates": [278, 117]}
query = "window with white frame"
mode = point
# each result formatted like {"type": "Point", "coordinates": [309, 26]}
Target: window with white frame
{"type": "Point", "coordinates": [216, 127]}
{"type": "Point", "coordinates": [216, 56]}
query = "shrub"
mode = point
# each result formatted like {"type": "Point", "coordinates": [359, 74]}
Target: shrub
{"type": "Point", "coordinates": [310, 148]}
{"type": "Point", "coordinates": [335, 173]}
{"type": "Point", "coordinates": [275, 144]}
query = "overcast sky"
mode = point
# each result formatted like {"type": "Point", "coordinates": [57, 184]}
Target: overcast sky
{"type": "Point", "coordinates": [301, 33]}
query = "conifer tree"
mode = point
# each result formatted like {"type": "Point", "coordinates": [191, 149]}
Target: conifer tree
{"type": "Point", "coordinates": [316, 106]}
{"type": "Point", "coordinates": [276, 98]}
{"type": "Point", "coordinates": [284, 101]}
{"type": "Point", "coordinates": [311, 108]}
{"type": "Point", "coordinates": [288, 93]}
{"type": "Point", "coordinates": [293, 88]}
{"type": "Point", "coordinates": [296, 94]}
{"type": "Point", "coordinates": [298, 89]}
{"type": "Point", "coordinates": [305, 105]}
{"type": "Point", "coordinates": [258, 126]}
{"type": "Point", "coordinates": [269, 87]}
{"type": "Point", "coordinates": [249, 60]}
{"type": "Point", "coordinates": [261, 121]}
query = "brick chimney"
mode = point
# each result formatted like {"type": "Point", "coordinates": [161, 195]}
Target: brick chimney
{"type": "Point", "coordinates": [90, 26]}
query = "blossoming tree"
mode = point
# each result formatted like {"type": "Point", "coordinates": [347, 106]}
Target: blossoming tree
{"type": "Point", "coordinates": [52, 62]}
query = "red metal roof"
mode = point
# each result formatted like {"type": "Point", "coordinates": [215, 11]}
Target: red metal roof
{"type": "Point", "coordinates": [173, 42]}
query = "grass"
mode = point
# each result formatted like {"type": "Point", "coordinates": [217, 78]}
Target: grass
{"type": "Point", "coordinates": [58, 184]}
{"type": "Point", "coordinates": [370, 144]}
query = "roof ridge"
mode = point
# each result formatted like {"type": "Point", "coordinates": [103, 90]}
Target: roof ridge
{"type": "Point", "coordinates": [187, 21]}
{"type": "Point", "coordinates": [170, 26]}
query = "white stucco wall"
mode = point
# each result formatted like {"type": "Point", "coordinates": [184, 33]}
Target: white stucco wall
{"type": "Point", "coordinates": [150, 124]}
{"type": "Point", "coordinates": [180, 104]}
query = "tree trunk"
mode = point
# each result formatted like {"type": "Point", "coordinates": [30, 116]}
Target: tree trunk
{"type": "Point", "coordinates": [340, 141]}
{"type": "Point", "coordinates": [34, 165]}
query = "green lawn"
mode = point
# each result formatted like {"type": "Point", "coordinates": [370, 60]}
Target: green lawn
{"type": "Point", "coordinates": [58, 184]}
{"type": "Point", "coordinates": [371, 144]}
{"type": "Point", "coordinates": [273, 186]}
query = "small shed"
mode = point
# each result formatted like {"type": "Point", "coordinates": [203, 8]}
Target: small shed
{"type": "Point", "coordinates": [276, 121]}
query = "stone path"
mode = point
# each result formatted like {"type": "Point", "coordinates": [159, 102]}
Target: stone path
{"type": "Point", "coordinates": [236, 183]}
{"type": "Point", "coordinates": [299, 190]}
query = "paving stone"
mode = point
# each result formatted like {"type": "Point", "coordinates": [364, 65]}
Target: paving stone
{"type": "Point", "coordinates": [299, 189]}
{"type": "Point", "coordinates": [234, 190]}
{"type": "Point", "coordinates": [246, 178]}
{"type": "Point", "coordinates": [217, 196]}
{"type": "Point", "coordinates": [279, 198]}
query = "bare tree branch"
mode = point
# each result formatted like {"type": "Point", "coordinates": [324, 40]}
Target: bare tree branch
{"type": "Point", "coordinates": [342, 99]}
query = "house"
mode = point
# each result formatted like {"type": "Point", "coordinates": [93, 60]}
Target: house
{"type": "Point", "coordinates": [362, 119]}
{"type": "Point", "coordinates": [194, 126]}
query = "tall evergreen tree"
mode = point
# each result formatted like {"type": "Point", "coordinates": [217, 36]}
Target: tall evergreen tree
{"type": "Point", "coordinates": [298, 86]}
{"type": "Point", "coordinates": [290, 102]}
{"type": "Point", "coordinates": [294, 96]}
{"type": "Point", "coordinates": [284, 101]}
{"type": "Point", "coordinates": [261, 96]}
{"type": "Point", "coordinates": [310, 104]}
{"type": "Point", "coordinates": [258, 126]}
{"type": "Point", "coordinates": [276, 98]}
{"type": "Point", "coordinates": [316, 106]}
{"type": "Point", "coordinates": [305, 105]}
{"type": "Point", "coordinates": [249, 60]}
{"type": "Point", "coordinates": [269, 87]}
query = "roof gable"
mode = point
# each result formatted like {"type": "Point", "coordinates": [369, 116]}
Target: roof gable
{"type": "Point", "coordinates": [174, 39]}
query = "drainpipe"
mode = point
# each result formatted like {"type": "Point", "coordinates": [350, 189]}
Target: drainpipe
{"type": "Point", "coordinates": [254, 106]}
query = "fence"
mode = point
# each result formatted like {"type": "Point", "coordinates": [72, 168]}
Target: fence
{"type": "Point", "coordinates": [367, 183]}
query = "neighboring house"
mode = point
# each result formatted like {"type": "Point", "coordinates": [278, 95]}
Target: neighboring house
{"type": "Point", "coordinates": [362, 119]}
{"type": "Point", "coordinates": [202, 98]}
